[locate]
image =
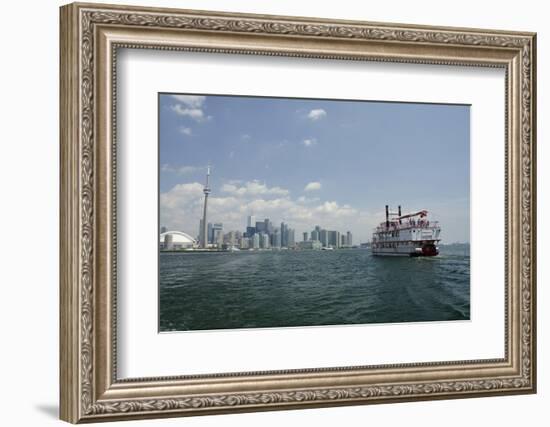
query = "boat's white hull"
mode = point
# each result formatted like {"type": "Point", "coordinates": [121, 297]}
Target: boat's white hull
{"type": "Point", "coordinates": [407, 250]}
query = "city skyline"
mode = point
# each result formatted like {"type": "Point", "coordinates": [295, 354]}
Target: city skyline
{"type": "Point", "coordinates": [302, 173]}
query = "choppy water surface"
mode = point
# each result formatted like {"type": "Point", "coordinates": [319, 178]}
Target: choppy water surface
{"type": "Point", "coordinates": [246, 289]}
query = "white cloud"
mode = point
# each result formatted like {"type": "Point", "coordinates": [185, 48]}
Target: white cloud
{"type": "Point", "coordinates": [313, 186]}
{"type": "Point", "coordinates": [191, 106]}
{"type": "Point", "coordinates": [192, 101]}
{"type": "Point", "coordinates": [303, 199]}
{"type": "Point", "coordinates": [252, 188]}
{"type": "Point", "coordinates": [194, 113]}
{"type": "Point", "coordinates": [309, 142]}
{"type": "Point", "coordinates": [186, 131]}
{"type": "Point", "coordinates": [316, 114]}
{"type": "Point", "coordinates": [181, 170]}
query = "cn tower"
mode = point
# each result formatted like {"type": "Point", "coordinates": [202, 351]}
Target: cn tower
{"type": "Point", "coordinates": [206, 191]}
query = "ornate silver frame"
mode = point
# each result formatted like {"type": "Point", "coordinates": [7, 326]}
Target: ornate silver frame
{"type": "Point", "coordinates": [90, 36]}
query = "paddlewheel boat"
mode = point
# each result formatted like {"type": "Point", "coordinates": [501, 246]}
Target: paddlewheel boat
{"type": "Point", "coordinates": [412, 234]}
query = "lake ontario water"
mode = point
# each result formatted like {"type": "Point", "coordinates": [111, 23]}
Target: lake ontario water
{"type": "Point", "coordinates": [233, 290]}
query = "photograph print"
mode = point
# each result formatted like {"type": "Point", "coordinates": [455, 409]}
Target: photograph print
{"type": "Point", "coordinates": [290, 212]}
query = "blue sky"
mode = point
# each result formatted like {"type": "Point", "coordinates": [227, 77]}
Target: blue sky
{"type": "Point", "coordinates": [307, 162]}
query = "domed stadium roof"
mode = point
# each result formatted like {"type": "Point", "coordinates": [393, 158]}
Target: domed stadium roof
{"type": "Point", "coordinates": [178, 237]}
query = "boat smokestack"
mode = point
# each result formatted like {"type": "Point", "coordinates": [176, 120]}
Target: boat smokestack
{"type": "Point", "coordinates": [387, 216]}
{"type": "Point", "coordinates": [399, 213]}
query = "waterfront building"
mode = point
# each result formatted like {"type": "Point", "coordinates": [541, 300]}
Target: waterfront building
{"type": "Point", "coordinates": [255, 240]}
{"type": "Point", "coordinates": [175, 240]}
{"type": "Point", "coordinates": [264, 240]}
{"type": "Point", "coordinates": [334, 238]}
{"type": "Point", "coordinates": [251, 221]}
{"type": "Point", "coordinates": [315, 235]}
{"type": "Point", "coordinates": [284, 235]}
{"type": "Point", "coordinates": [304, 236]}
{"type": "Point", "coordinates": [230, 238]}
{"type": "Point", "coordinates": [349, 240]}
{"type": "Point", "coordinates": [290, 240]}
{"type": "Point", "coordinates": [310, 244]}
{"type": "Point", "coordinates": [219, 239]}
{"type": "Point", "coordinates": [216, 233]}
{"type": "Point", "coordinates": [277, 238]}
{"type": "Point", "coordinates": [323, 238]}
{"type": "Point", "coordinates": [245, 243]}
{"type": "Point", "coordinates": [343, 242]}
{"type": "Point", "coordinates": [268, 226]}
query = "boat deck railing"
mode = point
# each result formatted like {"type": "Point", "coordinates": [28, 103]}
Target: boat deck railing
{"type": "Point", "coordinates": [421, 223]}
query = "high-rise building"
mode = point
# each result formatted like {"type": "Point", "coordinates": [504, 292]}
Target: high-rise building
{"type": "Point", "coordinates": [251, 221]}
{"type": "Point", "coordinates": [264, 240]}
{"type": "Point", "coordinates": [217, 233]}
{"type": "Point", "coordinates": [245, 243]}
{"type": "Point", "coordinates": [219, 239]}
{"type": "Point", "coordinates": [250, 231]}
{"type": "Point", "coordinates": [305, 236]}
{"type": "Point", "coordinates": [315, 235]}
{"type": "Point", "coordinates": [349, 240]}
{"type": "Point", "coordinates": [255, 240]}
{"type": "Point", "coordinates": [268, 226]}
{"type": "Point", "coordinates": [290, 240]}
{"type": "Point", "coordinates": [284, 235]}
{"type": "Point", "coordinates": [210, 233]}
{"type": "Point", "coordinates": [343, 242]}
{"type": "Point", "coordinates": [334, 238]}
{"type": "Point", "coordinates": [260, 226]}
{"type": "Point", "coordinates": [323, 238]}
{"type": "Point", "coordinates": [277, 238]}
{"type": "Point", "coordinates": [230, 238]}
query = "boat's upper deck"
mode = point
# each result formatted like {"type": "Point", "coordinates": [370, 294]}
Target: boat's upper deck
{"type": "Point", "coordinates": [406, 224]}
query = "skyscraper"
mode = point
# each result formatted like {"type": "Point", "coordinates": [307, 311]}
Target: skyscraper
{"type": "Point", "coordinates": [260, 226]}
{"type": "Point", "coordinates": [284, 236]}
{"type": "Point", "coordinates": [315, 235]}
{"type": "Point", "coordinates": [305, 236]}
{"type": "Point", "coordinates": [323, 237]}
{"type": "Point", "coordinates": [206, 191]}
{"type": "Point", "coordinates": [251, 221]}
{"type": "Point", "coordinates": [290, 240]}
{"type": "Point", "coordinates": [349, 241]}
{"type": "Point", "coordinates": [255, 241]}
{"type": "Point", "coordinates": [277, 238]}
{"type": "Point", "coordinates": [209, 233]}
{"type": "Point", "coordinates": [268, 227]}
{"type": "Point", "coordinates": [264, 240]}
{"type": "Point", "coordinates": [217, 233]}
{"type": "Point", "coordinates": [334, 238]}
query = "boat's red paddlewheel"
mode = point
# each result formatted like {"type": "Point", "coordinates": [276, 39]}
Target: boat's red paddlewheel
{"type": "Point", "coordinates": [429, 250]}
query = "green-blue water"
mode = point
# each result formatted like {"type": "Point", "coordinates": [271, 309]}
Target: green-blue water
{"type": "Point", "coordinates": [228, 290]}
